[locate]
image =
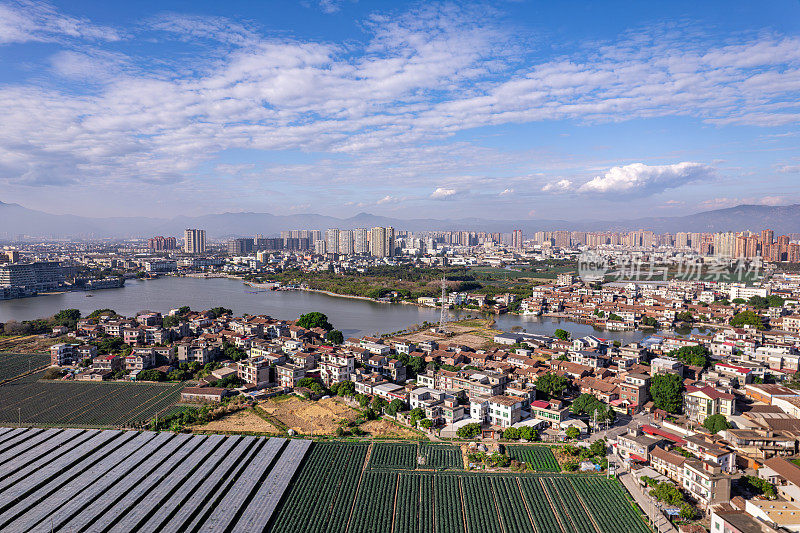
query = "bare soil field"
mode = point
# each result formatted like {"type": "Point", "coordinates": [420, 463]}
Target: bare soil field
{"type": "Point", "coordinates": [299, 414]}
{"type": "Point", "coordinates": [27, 344]}
{"type": "Point", "coordinates": [475, 333]}
{"type": "Point", "coordinates": [241, 422]}
{"type": "Point", "coordinates": [385, 428]}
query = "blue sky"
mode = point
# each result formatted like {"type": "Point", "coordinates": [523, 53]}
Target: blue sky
{"type": "Point", "coordinates": [507, 110]}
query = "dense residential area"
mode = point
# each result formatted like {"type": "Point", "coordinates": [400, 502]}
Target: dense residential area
{"type": "Point", "coordinates": [705, 423]}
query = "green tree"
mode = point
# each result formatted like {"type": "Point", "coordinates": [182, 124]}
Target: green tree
{"type": "Point", "coordinates": [100, 312]}
{"type": "Point", "coordinates": [511, 434]}
{"type": "Point", "coordinates": [561, 334]}
{"type": "Point", "coordinates": [233, 353]}
{"type": "Point", "coordinates": [573, 433]}
{"type": "Point", "coordinates": [426, 423]}
{"type": "Point", "coordinates": [598, 448]}
{"type": "Point", "coordinates": [314, 320]}
{"type": "Point", "coordinates": [346, 388]}
{"type": "Point", "coordinates": [747, 318]}
{"type": "Point", "coordinates": [551, 385]}
{"type": "Point", "coordinates": [692, 355]}
{"type": "Point", "coordinates": [774, 300]}
{"type": "Point", "coordinates": [68, 318]}
{"type": "Point", "coordinates": [666, 389]}
{"type": "Point", "coordinates": [170, 321]}
{"type": "Point", "coordinates": [394, 406]}
{"type": "Point", "coordinates": [688, 512]}
{"type": "Point", "coordinates": [362, 399]}
{"type": "Point", "coordinates": [217, 312]}
{"type": "Point", "coordinates": [469, 431]}
{"type": "Point", "coordinates": [684, 316]}
{"type": "Point", "coordinates": [667, 492]}
{"type": "Point", "coordinates": [150, 374]}
{"type": "Point", "coordinates": [716, 423]}
{"type": "Point", "coordinates": [528, 433]}
{"type": "Point", "coordinates": [378, 404]}
{"type": "Point", "coordinates": [583, 404]}
{"type": "Point", "coordinates": [417, 364]}
{"type": "Point", "coordinates": [334, 336]}
{"type": "Point", "coordinates": [416, 415]}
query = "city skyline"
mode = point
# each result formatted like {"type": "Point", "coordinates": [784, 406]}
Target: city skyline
{"type": "Point", "coordinates": [567, 112]}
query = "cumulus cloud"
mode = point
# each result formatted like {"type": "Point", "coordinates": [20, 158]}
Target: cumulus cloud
{"type": "Point", "coordinates": [639, 179]}
{"type": "Point", "coordinates": [558, 186]}
{"type": "Point", "coordinates": [442, 193]}
{"type": "Point", "coordinates": [506, 192]}
{"type": "Point", "coordinates": [788, 169]}
{"type": "Point", "coordinates": [388, 199]}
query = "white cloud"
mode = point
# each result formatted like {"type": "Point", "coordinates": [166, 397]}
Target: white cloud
{"type": "Point", "coordinates": [507, 192]}
{"type": "Point", "coordinates": [375, 110]}
{"type": "Point", "coordinates": [24, 21]}
{"type": "Point", "coordinates": [558, 186]}
{"type": "Point", "coordinates": [642, 180]}
{"type": "Point", "coordinates": [788, 169]}
{"type": "Point", "coordinates": [442, 193]}
{"type": "Point", "coordinates": [386, 200]}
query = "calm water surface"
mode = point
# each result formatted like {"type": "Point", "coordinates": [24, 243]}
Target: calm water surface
{"type": "Point", "coordinates": [354, 317]}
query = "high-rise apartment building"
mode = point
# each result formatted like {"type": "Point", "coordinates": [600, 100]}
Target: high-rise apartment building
{"type": "Point", "coordinates": [360, 241]}
{"type": "Point", "coordinates": [194, 241]}
{"type": "Point", "coordinates": [241, 246]}
{"type": "Point", "coordinates": [516, 239]}
{"type": "Point", "coordinates": [332, 240]}
{"type": "Point", "coordinates": [381, 242]}
{"type": "Point", "coordinates": [346, 246]}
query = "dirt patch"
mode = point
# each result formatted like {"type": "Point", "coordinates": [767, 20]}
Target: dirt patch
{"type": "Point", "coordinates": [29, 343]}
{"type": "Point", "coordinates": [386, 429]}
{"type": "Point", "coordinates": [299, 414]}
{"type": "Point", "coordinates": [241, 422]}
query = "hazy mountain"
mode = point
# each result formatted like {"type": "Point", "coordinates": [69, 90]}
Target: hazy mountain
{"type": "Point", "coordinates": [17, 220]}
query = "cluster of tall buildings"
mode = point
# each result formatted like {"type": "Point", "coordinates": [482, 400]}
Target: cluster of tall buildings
{"type": "Point", "coordinates": [377, 242]}
{"type": "Point", "coordinates": [737, 245]}
{"type": "Point", "coordinates": [161, 243]}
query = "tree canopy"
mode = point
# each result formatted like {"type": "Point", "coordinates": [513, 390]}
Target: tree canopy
{"type": "Point", "coordinates": [666, 391]}
{"type": "Point", "coordinates": [716, 423]}
{"type": "Point", "coordinates": [551, 385]}
{"type": "Point", "coordinates": [747, 318]}
{"type": "Point", "coordinates": [334, 336]}
{"type": "Point", "coordinates": [67, 317]}
{"type": "Point", "coordinates": [692, 355]}
{"type": "Point", "coordinates": [314, 319]}
{"type": "Point", "coordinates": [561, 334]}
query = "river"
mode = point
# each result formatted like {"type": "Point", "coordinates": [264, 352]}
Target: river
{"type": "Point", "coordinates": [352, 316]}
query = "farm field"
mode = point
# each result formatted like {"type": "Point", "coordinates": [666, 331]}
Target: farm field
{"type": "Point", "coordinates": [112, 480]}
{"type": "Point", "coordinates": [541, 458]}
{"type": "Point", "coordinates": [83, 404]}
{"type": "Point", "coordinates": [16, 364]}
{"type": "Point", "coordinates": [334, 491]}
{"type": "Point", "coordinates": [403, 456]}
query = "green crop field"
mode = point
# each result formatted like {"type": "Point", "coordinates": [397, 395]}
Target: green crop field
{"type": "Point", "coordinates": [335, 491]}
{"type": "Point", "coordinates": [403, 456]}
{"type": "Point", "coordinates": [540, 458]}
{"type": "Point", "coordinates": [15, 364]}
{"type": "Point", "coordinates": [30, 400]}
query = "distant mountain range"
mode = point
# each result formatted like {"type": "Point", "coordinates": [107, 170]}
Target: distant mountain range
{"type": "Point", "coordinates": [17, 220]}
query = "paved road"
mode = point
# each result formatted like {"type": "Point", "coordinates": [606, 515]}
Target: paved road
{"type": "Point", "coordinates": [658, 520]}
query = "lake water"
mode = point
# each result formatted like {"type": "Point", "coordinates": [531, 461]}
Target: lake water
{"type": "Point", "coordinates": [352, 316]}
